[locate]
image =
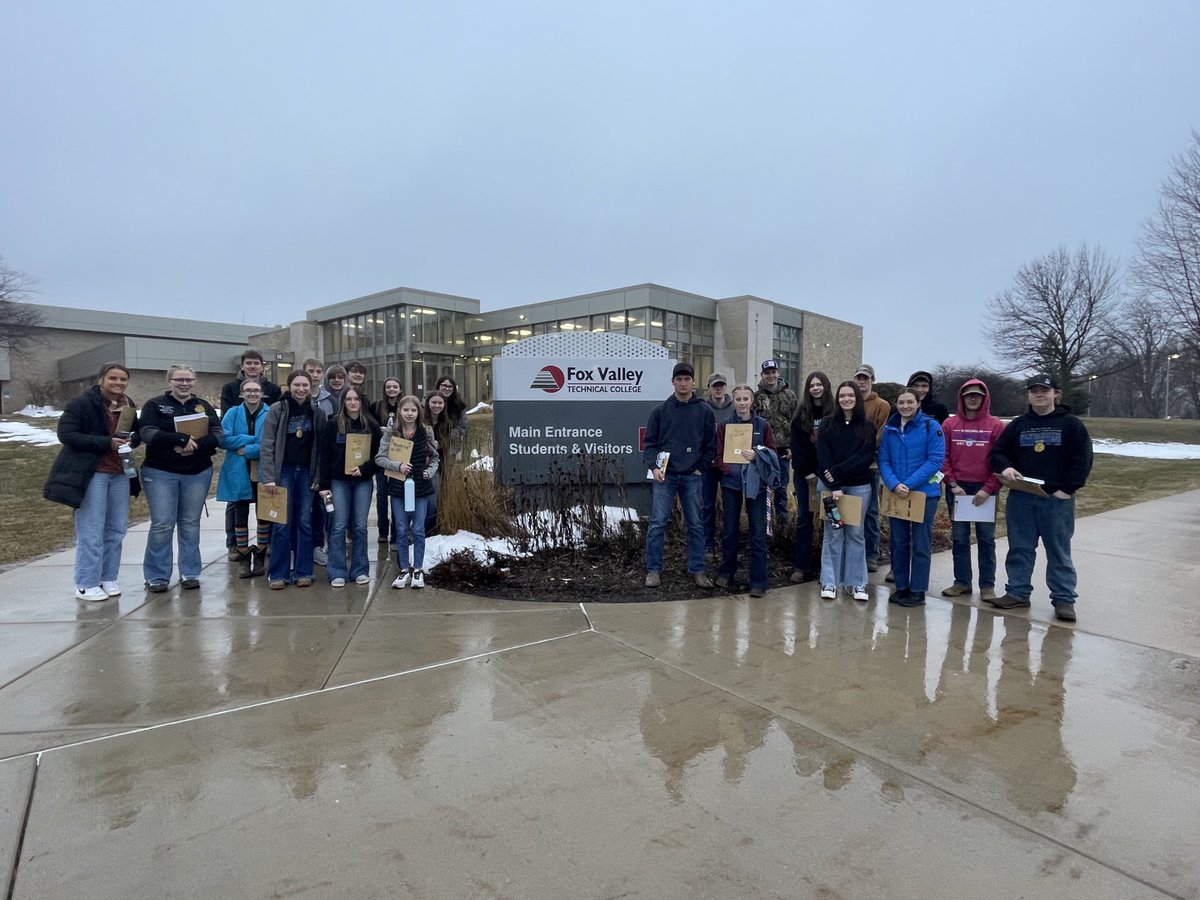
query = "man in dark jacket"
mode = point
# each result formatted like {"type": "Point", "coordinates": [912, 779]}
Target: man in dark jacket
{"type": "Point", "coordinates": [680, 445]}
{"type": "Point", "coordinates": [722, 406]}
{"type": "Point", "coordinates": [1049, 444]}
{"type": "Point", "coordinates": [231, 396]}
{"type": "Point", "coordinates": [922, 385]}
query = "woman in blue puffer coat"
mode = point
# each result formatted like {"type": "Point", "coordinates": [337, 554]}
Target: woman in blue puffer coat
{"type": "Point", "coordinates": [911, 453]}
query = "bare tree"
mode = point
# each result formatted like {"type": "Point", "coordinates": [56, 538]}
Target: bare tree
{"type": "Point", "coordinates": [17, 321]}
{"type": "Point", "coordinates": [1140, 339]}
{"type": "Point", "coordinates": [1167, 263]}
{"type": "Point", "coordinates": [1056, 316]}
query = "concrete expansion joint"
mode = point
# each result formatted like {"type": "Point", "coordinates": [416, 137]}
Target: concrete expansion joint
{"type": "Point", "coordinates": [441, 664]}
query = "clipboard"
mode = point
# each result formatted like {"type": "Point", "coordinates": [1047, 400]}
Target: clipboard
{"type": "Point", "coordinates": [910, 508]}
{"type": "Point", "coordinates": [272, 508]}
{"type": "Point", "coordinates": [358, 451]}
{"type": "Point", "coordinates": [850, 506]}
{"type": "Point", "coordinates": [194, 425]}
{"type": "Point", "coordinates": [1025, 485]}
{"type": "Point", "coordinates": [737, 437]}
{"type": "Point", "coordinates": [399, 449]}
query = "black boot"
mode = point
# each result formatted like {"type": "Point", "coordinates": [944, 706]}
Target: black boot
{"type": "Point", "coordinates": [258, 562]}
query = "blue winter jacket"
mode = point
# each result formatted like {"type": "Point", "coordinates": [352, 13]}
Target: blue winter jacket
{"type": "Point", "coordinates": [234, 481]}
{"type": "Point", "coordinates": [912, 456]}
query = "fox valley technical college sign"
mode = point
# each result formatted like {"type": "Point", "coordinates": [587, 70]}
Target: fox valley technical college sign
{"type": "Point", "coordinates": [561, 396]}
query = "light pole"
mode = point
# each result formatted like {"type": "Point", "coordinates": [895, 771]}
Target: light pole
{"type": "Point", "coordinates": [1091, 378]}
{"type": "Point", "coordinates": [1167, 401]}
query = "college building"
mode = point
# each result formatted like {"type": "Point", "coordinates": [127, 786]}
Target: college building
{"type": "Point", "coordinates": [418, 336]}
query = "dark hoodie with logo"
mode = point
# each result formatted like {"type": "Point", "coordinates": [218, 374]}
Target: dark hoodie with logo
{"type": "Point", "coordinates": [969, 442]}
{"type": "Point", "coordinates": [1055, 447]}
{"type": "Point", "coordinates": [931, 405]}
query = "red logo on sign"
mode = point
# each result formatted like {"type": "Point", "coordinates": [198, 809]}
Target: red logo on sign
{"type": "Point", "coordinates": [550, 379]}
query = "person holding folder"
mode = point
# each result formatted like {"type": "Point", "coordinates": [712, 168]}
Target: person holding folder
{"type": "Point", "coordinates": [910, 460]}
{"type": "Point", "coordinates": [182, 433]}
{"type": "Point", "coordinates": [845, 451]}
{"type": "Point", "coordinates": [288, 460]}
{"type": "Point", "coordinates": [408, 452]}
{"type": "Point", "coordinates": [749, 469]}
{"type": "Point", "coordinates": [348, 444]}
{"type": "Point", "coordinates": [970, 436]}
{"type": "Point", "coordinates": [237, 484]}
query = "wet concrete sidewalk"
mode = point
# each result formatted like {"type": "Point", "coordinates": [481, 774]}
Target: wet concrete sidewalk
{"type": "Point", "coordinates": [365, 742]}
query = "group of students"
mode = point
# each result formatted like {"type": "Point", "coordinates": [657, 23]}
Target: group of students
{"type": "Point", "coordinates": [849, 441]}
{"type": "Point", "coordinates": [294, 440]}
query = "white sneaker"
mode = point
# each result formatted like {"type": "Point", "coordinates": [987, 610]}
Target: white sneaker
{"type": "Point", "coordinates": [338, 582]}
{"type": "Point", "coordinates": [860, 593]}
{"type": "Point", "coordinates": [828, 592]}
{"type": "Point", "coordinates": [93, 594]}
{"type": "Point", "coordinates": [418, 579]}
{"type": "Point", "coordinates": [111, 588]}
{"type": "Point", "coordinates": [321, 556]}
{"type": "Point", "coordinates": [402, 580]}
{"type": "Point", "coordinates": [363, 579]}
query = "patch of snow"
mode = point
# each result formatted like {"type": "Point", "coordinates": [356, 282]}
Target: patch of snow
{"type": "Point", "coordinates": [440, 546]}
{"type": "Point", "coordinates": [478, 407]}
{"type": "Point", "coordinates": [27, 434]}
{"type": "Point", "coordinates": [1146, 449]}
{"type": "Point", "coordinates": [483, 464]}
{"type": "Point", "coordinates": [40, 412]}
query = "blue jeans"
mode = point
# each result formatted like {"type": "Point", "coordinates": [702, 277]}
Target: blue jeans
{"type": "Point", "coordinates": [351, 506]}
{"type": "Point", "coordinates": [708, 505]}
{"type": "Point", "coordinates": [871, 520]}
{"type": "Point", "coordinates": [802, 549]}
{"type": "Point", "coordinates": [912, 547]}
{"type": "Point", "coordinates": [100, 524]}
{"type": "Point", "coordinates": [688, 488]}
{"type": "Point", "coordinates": [985, 536]}
{"type": "Point", "coordinates": [175, 502]}
{"type": "Point", "coordinates": [781, 492]}
{"type": "Point", "coordinates": [843, 552]}
{"type": "Point", "coordinates": [407, 522]}
{"type": "Point", "coordinates": [756, 513]}
{"type": "Point", "coordinates": [295, 537]}
{"type": "Point", "coordinates": [1053, 520]}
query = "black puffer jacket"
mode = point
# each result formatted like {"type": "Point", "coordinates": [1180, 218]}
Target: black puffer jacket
{"type": "Point", "coordinates": [83, 431]}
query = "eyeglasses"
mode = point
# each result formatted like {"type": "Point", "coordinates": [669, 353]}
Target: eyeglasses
{"type": "Point", "coordinates": [246, 392]}
{"type": "Point", "coordinates": [183, 380]}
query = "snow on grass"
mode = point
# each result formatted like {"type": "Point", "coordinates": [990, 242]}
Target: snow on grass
{"type": "Point", "coordinates": [21, 432]}
{"type": "Point", "coordinates": [1146, 449]}
{"type": "Point", "coordinates": [40, 412]}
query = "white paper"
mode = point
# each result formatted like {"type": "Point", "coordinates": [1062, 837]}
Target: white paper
{"type": "Point", "coordinates": [965, 509]}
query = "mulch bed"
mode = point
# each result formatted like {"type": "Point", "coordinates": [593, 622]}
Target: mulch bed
{"type": "Point", "coordinates": [614, 571]}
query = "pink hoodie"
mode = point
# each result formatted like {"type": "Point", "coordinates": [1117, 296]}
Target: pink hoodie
{"type": "Point", "coordinates": [969, 442]}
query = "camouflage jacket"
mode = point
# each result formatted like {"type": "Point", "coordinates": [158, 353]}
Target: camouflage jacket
{"type": "Point", "coordinates": [777, 407]}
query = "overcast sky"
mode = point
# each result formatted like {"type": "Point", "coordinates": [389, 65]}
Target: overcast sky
{"type": "Point", "coordinates": [890, 164]}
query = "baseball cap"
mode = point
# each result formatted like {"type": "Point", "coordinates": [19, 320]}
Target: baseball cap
{"type": "Point", "coordinates": [683, 369]}
{"type": "Point", "coordinates": [717, 378]}
{"type": "Point", "coordinates": [974, 389]}
{"type": "Point", "coordinates": [1041, 379]}
{"type": "Point", "coordinates": [769, 364]}
{"type": "Point", "coordinates": [864, 369]}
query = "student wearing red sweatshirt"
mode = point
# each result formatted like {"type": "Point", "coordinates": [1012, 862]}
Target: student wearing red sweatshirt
{"type": "Point", "coordinates": [970, 436]}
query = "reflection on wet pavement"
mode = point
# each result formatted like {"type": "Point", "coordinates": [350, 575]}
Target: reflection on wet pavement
{"type": "Point", "coordinates": [378, 743]}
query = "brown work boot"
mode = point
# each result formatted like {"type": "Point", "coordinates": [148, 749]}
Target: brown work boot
{"type": "Point", "coordinates": [653, 579]}
{"type": "Point", "coordinates": [988, 594]}
{"type": "Point", "coordinates": [957, 590]}
{"type": "Point", "coordinates": [702, 580]}
{"type": "Point", "coordinates": [799, 576]}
